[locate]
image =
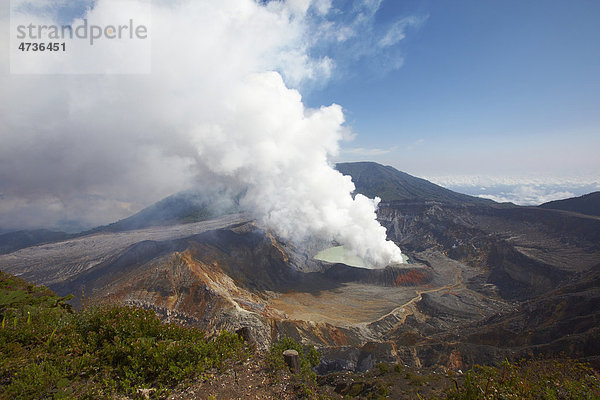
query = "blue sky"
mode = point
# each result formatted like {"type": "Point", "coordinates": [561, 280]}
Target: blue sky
{"type": "Point", "coordinates": [490, 88]}
{"type": "Point", "coordinates": [469, 88]}
{"type": "Point", "coordinates": [493, 98]}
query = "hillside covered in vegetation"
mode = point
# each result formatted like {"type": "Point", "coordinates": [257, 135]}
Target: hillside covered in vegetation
{"type": "Point", "coordinates": [47, 350]}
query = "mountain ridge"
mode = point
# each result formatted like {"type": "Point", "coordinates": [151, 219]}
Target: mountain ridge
{"type": "Point", "coordinates": [389, 184]}
{"type": "Point", "coordinates": [13, 241]}
{"type": "Point", "coordinates": [476, 265]}
{"type": "Point", "coordinates": [194, 206]}
{"type": "Point", "coordinates": [191, 206]}
{"type": "Point", "coordinates": [182, 207]}
{"type": "Point", "coordinates": [588, 204]}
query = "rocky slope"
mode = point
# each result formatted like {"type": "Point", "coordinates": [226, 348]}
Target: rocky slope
{"type": "Point", "coordinates": [588, 204]}
{"type": "Point", "coordinates": [486, 281]}
{"type": "Point", "coordinates": [389, 184]}
{"type": "Point", "coordinates": [13, 241]}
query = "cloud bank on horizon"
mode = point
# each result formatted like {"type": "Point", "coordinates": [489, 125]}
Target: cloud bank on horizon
{"type": "Point", "coordinates": [525, 191]}
{"type": "Point", "coordinates": [221, 101]}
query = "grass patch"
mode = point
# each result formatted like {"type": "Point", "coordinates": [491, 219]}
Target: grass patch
{"type": "Point", "coordinates": [382, 368]}
{"type": "Point", "coordinates": [530, 380]}
{"type": "Point", "coordinates": [305, 381]}
{"type": "Point", "coordinates": [416, 379]}
{"type": "Point", "coordinates": [48, 351]}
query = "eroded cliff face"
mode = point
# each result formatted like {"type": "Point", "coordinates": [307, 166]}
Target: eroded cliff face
{"type": "Point", "coordinates": [242, 276]}
{"type": "Point", "coordinates": [542, 268]}
{"type": "Point", "coordinates": [484, 283]}
{"type": "Point", "coordinates": [523, 251]}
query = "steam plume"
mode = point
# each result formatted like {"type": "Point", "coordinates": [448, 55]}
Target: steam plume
{"type": "Point", "coordinates": [216, 100]}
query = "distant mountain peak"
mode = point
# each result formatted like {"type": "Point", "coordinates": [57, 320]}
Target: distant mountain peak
{"type": "Point", "coordinates": [372, 179]}
{"type": "Point", "coordinates": [588, 204]}
{"type": "Point", "coordinates": [182, 207]}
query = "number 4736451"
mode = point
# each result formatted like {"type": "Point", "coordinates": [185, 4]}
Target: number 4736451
{"type": "Point", "coordinates": [51, 46]}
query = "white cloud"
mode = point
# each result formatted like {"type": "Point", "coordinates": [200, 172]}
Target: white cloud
{"type": "Point", "coordinates": [219, 102]}
{"type": "Point", "coordinates": [415, 144]}
{"type": "Point", "coordinates": [322, 7]}
{"type": "Point", "coordinates": [491, 180]}
{"type": "Point", "coordinates": [356, 37]}
{"type": "Point", "coordinates": [519, 190]}
{"type": "Point", "coordinates": [397, 31]}
{"type": "Point", "coordinates": [528, 195]}
{"type": "Point", "coordinates": [373, 152]}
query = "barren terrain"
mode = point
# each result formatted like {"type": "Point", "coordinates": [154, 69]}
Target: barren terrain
{"type": "Point", "coordinates": [486, 281]}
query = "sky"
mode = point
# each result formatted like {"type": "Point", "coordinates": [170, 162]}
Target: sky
{"type": "Point", "coordinates": [492, 98]}
{"type": "Point", "coordinates": [497, 99]}
{"type": "Point", "coordinates": [506, 89]}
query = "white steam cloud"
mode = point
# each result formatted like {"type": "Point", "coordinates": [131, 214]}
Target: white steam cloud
{"type": "Point", "coordinates": [217, 100]}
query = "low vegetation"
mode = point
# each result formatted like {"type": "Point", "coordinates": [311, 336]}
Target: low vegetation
{"type": "Point", "coordinates": [525, 380]}
{"type": "Point", "coordinates": [48, 351]}
{"type": "Point", "coordinates": [109, 351]}
{"type": "Point", "coordinates": [305, 381]}
{"type": "Point", "coordinates": [530, 380]}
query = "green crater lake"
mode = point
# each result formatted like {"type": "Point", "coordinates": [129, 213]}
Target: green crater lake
{"type": "Point", "coordinates": [339, 254]}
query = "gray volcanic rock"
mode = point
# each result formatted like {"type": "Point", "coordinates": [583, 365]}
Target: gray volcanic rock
{"type": "Point", "coordinates": [487, 281]}
{"type": "Point", "coordinates": [389, 184]}
{"type": "Point", "coordinates": [56, 262]}
{"type": "Point", "coordinates": [523, 251]}
{"type": "Point", "coordinates": [13, 241]}
{"type": "Point", "coordinates": [183, 207]}
{"type": "Point", "coordinates": [588, 204]}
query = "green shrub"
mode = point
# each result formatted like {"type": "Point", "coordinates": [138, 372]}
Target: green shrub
{"type": "Point", "coordinates": [382, 367]}
{"type": "Point", "coordinates": [529, 380]}
{"type": "Point", "coordinates": [46, 351]}
{"type": "Point", "coordinates": [416, 379]}
{"type": "Point", "coordinates": [356, 388]}
{"type": "Point", "coordinates": [308, 359]}
{"type": "Point", "coordinates": [15, 293]}
{"type": "Point", "coordinates": [305, 381]}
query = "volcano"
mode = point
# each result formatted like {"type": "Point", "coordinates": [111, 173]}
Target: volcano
{"type": "Point", "coordinates": [485, 280]}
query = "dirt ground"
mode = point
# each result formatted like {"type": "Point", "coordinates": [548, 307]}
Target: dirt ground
{"type": "Point", "coordinates": [247, 380]}
{"type": "Point", "coordinates": [250, 380]}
